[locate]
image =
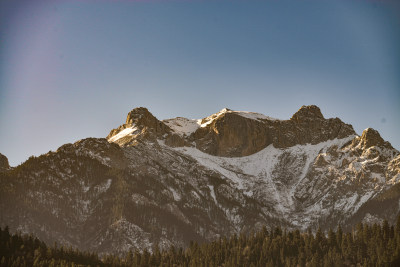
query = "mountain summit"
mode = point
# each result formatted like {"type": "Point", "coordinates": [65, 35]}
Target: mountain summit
{"type": "Point", "coordinates": [307, 113]}
{"type": "Point", "coordinates": [231, 133]}
{"type": "Point", "coordinates": [370, 138]}
{"type": "Point", "coordinates": [168, 182]}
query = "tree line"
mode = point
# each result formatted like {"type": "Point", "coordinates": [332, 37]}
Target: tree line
{"type": "Point", "coordinates": [367, 245]}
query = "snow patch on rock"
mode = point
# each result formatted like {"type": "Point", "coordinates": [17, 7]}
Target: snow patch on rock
{"type": "Point", "coordinates": [125, 132]}
{"type": "Point", "coordinates": [182, 126]}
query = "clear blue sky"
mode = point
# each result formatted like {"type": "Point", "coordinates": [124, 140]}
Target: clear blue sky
{"type": "Point", "coordinates": [74, 69]}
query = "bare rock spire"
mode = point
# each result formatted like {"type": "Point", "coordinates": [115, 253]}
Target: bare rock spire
{"type": "Point", "coordinates": [4, 165]}
{"type": "Point", "coordinates": [306, 113]}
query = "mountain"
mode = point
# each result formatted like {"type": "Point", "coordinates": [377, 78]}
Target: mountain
{"type": "Point", "coordinates": [172, 181]}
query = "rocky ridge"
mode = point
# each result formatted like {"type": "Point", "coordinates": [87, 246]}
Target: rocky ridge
{"type": "Point", "coordinates": [236, 134]}
{"type": "Point", "coordinates": [168, 182]}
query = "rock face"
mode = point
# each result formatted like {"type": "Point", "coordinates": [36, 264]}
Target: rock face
{"type": "Point", "coordinates": [169, 182]}
{"type": "Point", "coordinates": [3, 163]}
{"type": "Point", "coordinates": [140, 124]}
{"type": "Point", "coordinates": [236, 134]}
{"type": "Point", "coordinates": [231, 134]}
{"type": "Point", "coordinates": [370, 138]}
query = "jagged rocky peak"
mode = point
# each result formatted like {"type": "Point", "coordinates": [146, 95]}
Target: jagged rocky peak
{"type": "Point", "coordinates": [4, 165]}
{"type": "Point", "coordinates": [140, 123]}
{"type": "Point", "coordinates": [370, 138]}
{"type": "Point", "coordinates": [306, 113]}
{"type": "Point", "coordinates": [141, 116]}
{"type": "Point", "coordinates": [234, 134]}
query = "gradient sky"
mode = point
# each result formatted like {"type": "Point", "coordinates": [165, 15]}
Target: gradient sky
{"type": "Point", "coordinates": [74, 69]}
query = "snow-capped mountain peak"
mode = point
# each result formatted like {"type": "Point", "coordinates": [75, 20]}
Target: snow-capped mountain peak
{"type": "Point", "coordinates": [168, 182]}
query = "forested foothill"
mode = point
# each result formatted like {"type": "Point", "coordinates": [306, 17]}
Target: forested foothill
{"type": "Point", "coordinates": [366, 245]}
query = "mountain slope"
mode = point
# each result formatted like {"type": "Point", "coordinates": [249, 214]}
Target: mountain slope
{"type": "Point", "coordinates": [168, 182]}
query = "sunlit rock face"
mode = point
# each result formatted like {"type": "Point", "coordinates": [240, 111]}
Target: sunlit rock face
{"type": "Point", "coordinates": [172, 181]}
{"type": "Point", "coordinates": [233, 135]}
{"type": "Point", "coordinates": [140, 124]}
